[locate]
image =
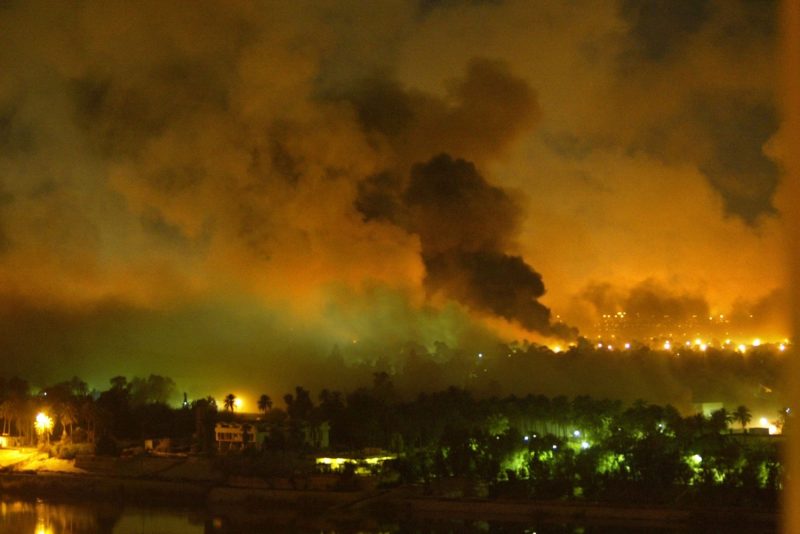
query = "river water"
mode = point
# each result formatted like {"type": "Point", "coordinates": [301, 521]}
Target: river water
{"type": "Point", "coordinates": [40, 517]}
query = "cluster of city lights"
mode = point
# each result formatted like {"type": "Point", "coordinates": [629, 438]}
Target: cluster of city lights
{"type": "Point", "coordinates": [695, 344]}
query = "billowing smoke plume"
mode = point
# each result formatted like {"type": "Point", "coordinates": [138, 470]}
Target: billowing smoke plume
{"type": "Point", "coordinates": [182, 189]}
{"type": "Point", "coordinates": [648, 299]}
{"type": "Point", "coordinates": [465, 225]}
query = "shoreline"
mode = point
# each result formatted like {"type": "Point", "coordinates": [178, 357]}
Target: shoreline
{"type": "Point", "coordinates": [250, 496]}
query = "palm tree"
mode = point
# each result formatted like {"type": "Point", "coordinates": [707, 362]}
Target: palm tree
{"type": "Point", "coordinates": [742, 415]}
{"type": "Point", "coordinates": [264, 403]}
{"type": "Point", "coordinates": [230, 402]}
{"type": "Point", "coordinates": [7, 415]}
{"type": "Point", "coordinates": [721, 418]}
{"type": "Point", "coordinates": [68, 417]}
{"type": "Point", "coordinates": [89, 413]}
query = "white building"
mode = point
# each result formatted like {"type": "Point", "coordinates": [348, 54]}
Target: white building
{"type": "Point", "coordinates": [236, 436]}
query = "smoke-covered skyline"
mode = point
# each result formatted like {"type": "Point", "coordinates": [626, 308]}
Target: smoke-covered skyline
{"type": "Point", "coordinates": [235, 189]}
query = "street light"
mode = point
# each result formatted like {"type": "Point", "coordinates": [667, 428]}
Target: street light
{"type": "Point", "coordinates": [43, 425]}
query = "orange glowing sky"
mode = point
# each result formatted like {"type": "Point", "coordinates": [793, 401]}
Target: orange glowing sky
{"type": "Point", "coordinates": [246, 181]}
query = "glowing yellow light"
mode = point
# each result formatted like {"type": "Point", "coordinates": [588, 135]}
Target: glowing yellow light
{"type": "Point", "coordinates": [727, 341]}
{"type": "Point", "coordinates": [698, 341]}
{"type": "Point", "coordinates": [627, 345]}
{"type": "Point", "coordinates": [667, 345]}
{"type": "Point", "coordinates": [763, 422]}
{"type": "Point", "coordinates": [742, 348]}
{"type": "Point", "coordinates": [43, 422]}
{"type": "Point", "coordinates": [756, 342]}
{"type": "Point", "coordinates": [781, 347]}
{"type": "Point", "coordinates": [703, 347]}
{"type": "Point", "coordinates": [773, 429]}
{"type": "Point", "coordinates": [609, 347]}
{"type": "Point", "coordinates": [557, 349]}
{"type": "Point", "coordinates": [238, 403]}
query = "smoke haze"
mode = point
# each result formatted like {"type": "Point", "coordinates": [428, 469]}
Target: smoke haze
{"type": "Point", "coordinates": [235, 189]}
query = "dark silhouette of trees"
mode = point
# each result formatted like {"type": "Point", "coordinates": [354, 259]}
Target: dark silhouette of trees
{"type": "Point", "coordinates": [721, 418]}
{"type": "Point", "coordinates": [153, 389]}
{"type": "Point", "coordinates": [205, 411]}
{"type": "Point", "coordinates": [743, 416]}
{"type": "Point", "coordinates": [264, 403]}
{"type": "Point", "coordinates": [531, 445]}
{"type": "Point", "coordinates": [299, 406]}
{"type": "Point", "coordinates": [230, 402]}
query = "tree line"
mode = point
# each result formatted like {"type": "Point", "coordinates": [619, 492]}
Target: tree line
{"type": "Point", "coordinates": [533, 445]}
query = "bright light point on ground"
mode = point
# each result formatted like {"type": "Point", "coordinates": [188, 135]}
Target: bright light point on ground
{"type": "Point", "coordinates": [697, 458]}
{"type": "Point", "coordinates": [703, 347]}
{"type": "Point", "coordinates": [742, 348]}
{"type": "Point", "coordinates": [480, 355]}
{"type": "Point", "coordinates": [599, 345]}
{"type": "Point", "coordinates": [238, 403]}
{"type": "Point", "coordinates": [698, 341]}
{"type": "Point", "coordinates": [555, 447]}
{"type": "Point", "coordinates": [772, 429]}
{"type": "Point", "coordinates": [609, 347]}
{"type": "Point", "coordinates": [756, 342]}
{"type": "Point", "coordinates": [728, 341]}
{"type": "Point", "coordinates": [556, 349]}
{"type": "Point", "coordinates": [576, 433]}
{"type": "Point", "coordinates": [781, 347]}
{"type": "Point", "coordinates": [627, 345]}
{"type": "Point", "coordinates": [763, 422]}
{"type": "Point", "coordinates": [526, 438]}
{"type": "Point", "coordinates": [667, 345]}
{"type": "Point", "coordinates": [584, 444]}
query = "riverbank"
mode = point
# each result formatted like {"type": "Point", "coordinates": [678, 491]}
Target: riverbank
{"type": "Point", "coordinates": [196, 481]}
{"type": "Point", "coordinates": [404, 501]}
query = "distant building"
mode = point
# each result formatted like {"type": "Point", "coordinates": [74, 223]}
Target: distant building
{"type": "Point", "coordinates": [363, 464]}
{"type": "Point", "coordinates": [9, 441]}
{"type": "Point", "coordinates": [317, 436]}
{"type": "Point", "coordinates": [237, 436]}
{"type": "Point", "coordinates": [707, 408]}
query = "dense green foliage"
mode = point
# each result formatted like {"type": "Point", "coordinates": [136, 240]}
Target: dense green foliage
{"type": "Point", "coordinates": [531, 446]}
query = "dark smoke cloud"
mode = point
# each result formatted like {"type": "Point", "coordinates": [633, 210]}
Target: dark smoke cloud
{"type": "Point", "coordinates": [648, 299]}
{"type": "Point", "coordinates": [480, 116]}
{"type": "Point", "coordinates": [465, 226]}
{"type": "Point", "coordinates": [158, 166]}
{"type": "Point", "coordinates": [659, 28]}
{"type": "Point", "coordinates": [732, 124]}
{"type": "Point", "coordinates": [739, 127]}
{"type": "Point", "coordinates": [453, 208]}
{"type": "Point", "coordinates": [492, 281]}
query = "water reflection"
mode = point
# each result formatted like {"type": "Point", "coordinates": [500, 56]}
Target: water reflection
{"type": "Point", "coordinates": [37, 517]}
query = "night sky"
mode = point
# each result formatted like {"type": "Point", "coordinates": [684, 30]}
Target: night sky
{"type": "Point", "coordinates": [227, 192]}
